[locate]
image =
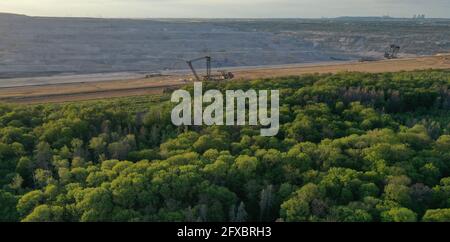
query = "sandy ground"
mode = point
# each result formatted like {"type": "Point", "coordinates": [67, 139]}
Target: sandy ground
{"type": "Point", "coordinates": [88, 90]}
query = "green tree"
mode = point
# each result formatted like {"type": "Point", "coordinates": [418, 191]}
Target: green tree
{"type": "Point", "coordinates": [437, 215]}
{"type": "Point", "coordinates": [297, 208]}
{"type": "Point", "coordinates": [29, 201]}
{"type": "Point", "coordinates": [43, 155]}
{"type": "Point", "coordinates": [98, 146]}
{"type": "Point", "coordinates": [399, 215]}
{"type": "Point", "coordinates": [45, 213]}
{"type": "Point", "coordinates": [8, 212]}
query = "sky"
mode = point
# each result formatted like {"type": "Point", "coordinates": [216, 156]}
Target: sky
{"type": "Point", "coordinates": [227, 8]}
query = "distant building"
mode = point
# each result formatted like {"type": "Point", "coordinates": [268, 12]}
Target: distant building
{"type": "Point", "coordinates": [419, 16]}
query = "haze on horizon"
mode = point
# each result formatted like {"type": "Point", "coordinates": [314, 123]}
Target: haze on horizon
{"type": "Point", "coordinates": [226, 8]}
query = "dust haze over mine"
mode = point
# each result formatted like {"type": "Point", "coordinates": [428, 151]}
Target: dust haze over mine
{"type": "Point", "coordinates": [41, 46]}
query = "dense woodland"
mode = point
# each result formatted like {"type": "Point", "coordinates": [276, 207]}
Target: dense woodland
{"type": "Point", "coordinates": [352, 147]}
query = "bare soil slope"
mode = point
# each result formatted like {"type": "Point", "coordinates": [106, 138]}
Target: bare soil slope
{"type": "Point", "coordinates": [120, 88]}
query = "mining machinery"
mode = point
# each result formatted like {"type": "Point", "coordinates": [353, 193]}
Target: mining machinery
{"type": "Point", "coordinates": [223, 75]}
{"type": "Point", "coordinates": [392, 52]}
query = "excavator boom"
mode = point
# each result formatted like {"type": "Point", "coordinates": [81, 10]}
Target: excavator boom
{"type": "Point", "coordinates": [193, 71]}
{"type": "Point", "coordinates": [209, 76]}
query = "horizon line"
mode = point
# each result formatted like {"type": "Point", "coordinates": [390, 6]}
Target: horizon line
{"type": "Point", "coordinates": [218, 18]}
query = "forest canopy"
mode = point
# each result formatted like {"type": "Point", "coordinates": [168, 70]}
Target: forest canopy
{"type": "Point", "coordinates": [351, 147]}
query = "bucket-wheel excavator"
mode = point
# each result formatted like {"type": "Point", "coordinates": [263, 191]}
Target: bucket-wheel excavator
{"type": "Point", "coordinates": [392, 52]}
{"type": "Point", "coordinates": [223, 75]}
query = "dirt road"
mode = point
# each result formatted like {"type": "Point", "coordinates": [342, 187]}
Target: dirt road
{"type": "Point", "coordinates": [81, 90]}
